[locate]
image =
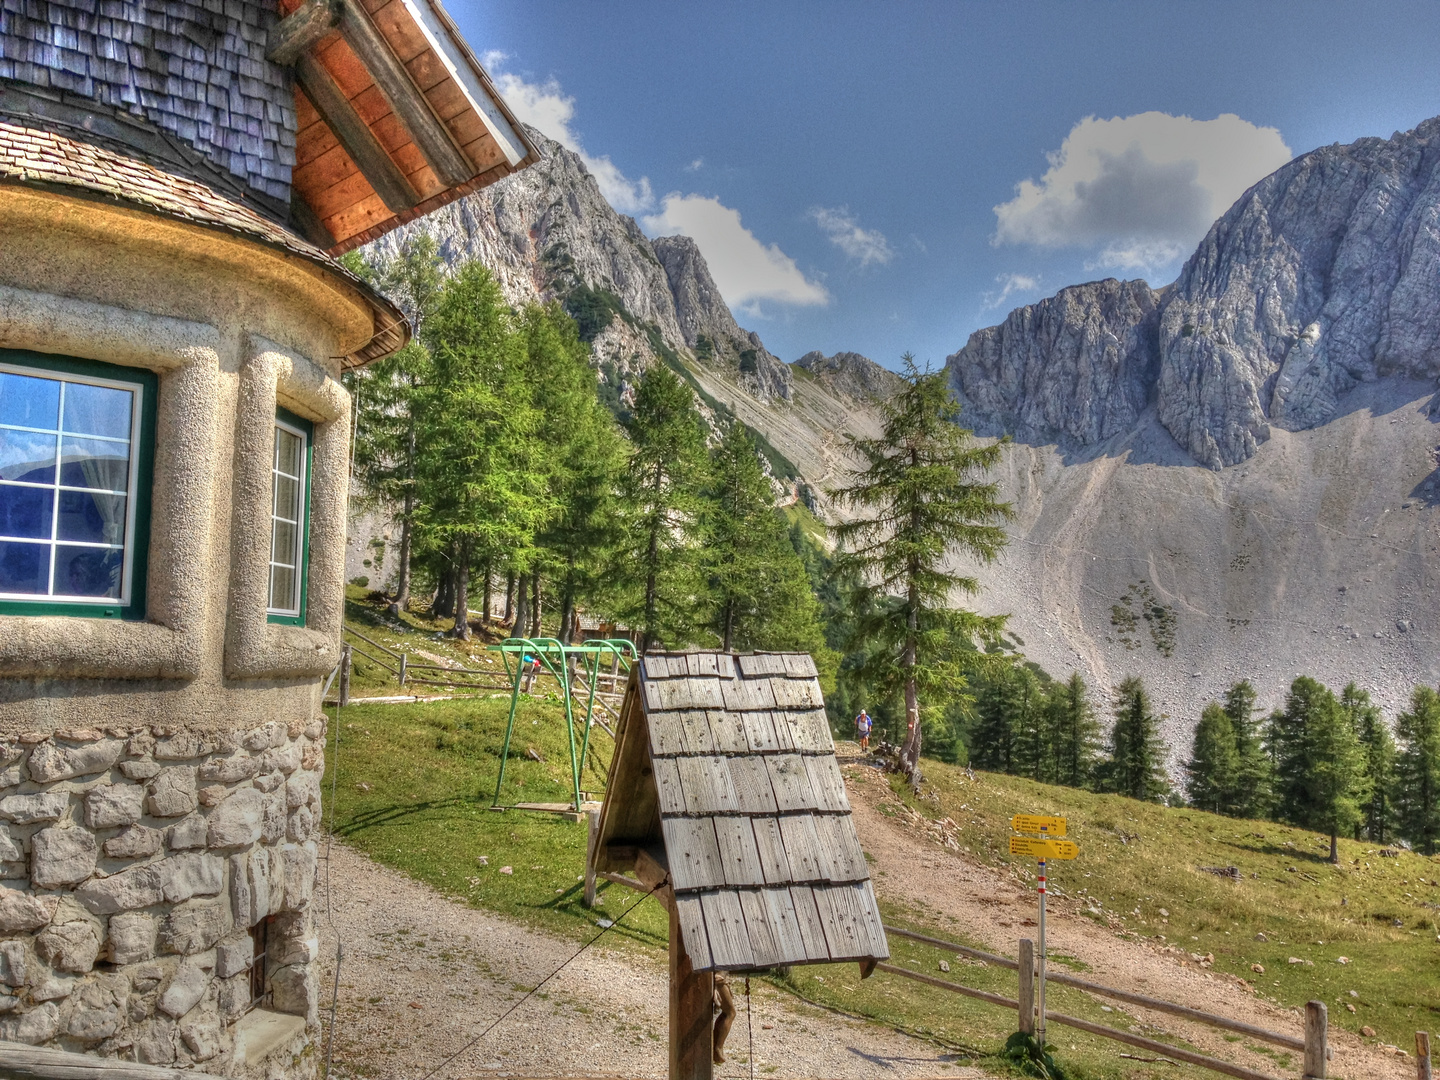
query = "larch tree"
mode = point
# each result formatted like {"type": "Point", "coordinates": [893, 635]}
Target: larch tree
{"type": "Point", "coordinates": [1417, 771]}
{"type": "Point", "coordinates": [1136, 763]}
{"type": "Point", "coordinates": [1319, 764]}
{"type": "Point", "coordinates": [1214, 761]}
{"type": "Point", "coordinates": [1378, 747]}
{"type": "Point", "coordinates": [660, 500]}
{"type": "Point", "coordinates": [759, 592]}
{"type": "Point", "coordinates": [1076, 732]}
{"type": "Point", "coordinates": [923, 497]}
{"type": "Point", "coordinates": [1251, 793]}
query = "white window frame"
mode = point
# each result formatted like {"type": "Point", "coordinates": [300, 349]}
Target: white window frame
{"type": "Point", "coordinates": [137, 402]}
{"type": "Point", "coordinates": [301, 540]}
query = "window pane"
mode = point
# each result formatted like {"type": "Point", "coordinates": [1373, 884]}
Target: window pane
{"type": "Point", "coordinates": [27, 456]}
{"type": "Point", "coordinates": [26, 511]}
{"type": "Point", "coordinates": [282, 589]}
{"type": "Point", "coordinates": [97, 410]}
{"type": "Point", "coordinates": [91, 517]}
{"type": "Point", "coordinates": [282, 543]}
{"type": "Point", "coordinates": [87, 571]}
{"type": "Point", "coordinates": [287, 452]}
{"type": "Point", "coordinates": [90, 464]}
{"type": "Point", "coordinates": [24, 568]}
{"type": "Point", "coordinates": [287, 498]}
{"type": "Point", "coordinates": [29, 402]}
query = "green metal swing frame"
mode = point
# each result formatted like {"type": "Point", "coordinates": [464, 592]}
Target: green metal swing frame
{"type": "Point", "coordinates": [556, 656]}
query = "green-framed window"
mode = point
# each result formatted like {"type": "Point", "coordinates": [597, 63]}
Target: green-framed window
{"type": "Point", "coordinates": [77, 442]}
{"type": "Point", "coordinates": [290, 519]}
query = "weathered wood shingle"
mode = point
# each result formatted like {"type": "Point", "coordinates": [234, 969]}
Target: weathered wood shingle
{"type": "Point", "coordinates": [752, 810]}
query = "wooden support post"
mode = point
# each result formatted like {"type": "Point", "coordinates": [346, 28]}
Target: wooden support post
{"type": "Point", "coordinates": [431, 137]}
{"type": "Point", "coordinates": [590, 858]}
{"type": "Point", "coordinates": [354, 134]}
{"type": "Point", "coordinates": [344, 691]}
{"type": "Point", "coordinates": [692, 1012]}
{"type": "Point", "coordinates": [1422, 1056]}
{"type": "Point", "coordinates": [1027, 986]}
{"type": "Point", "coordinates": [1316, 1052]}
{"type": "Point", "coordinates": [300, 30]}
{"type": "Point", "coordinates": [403, 659]}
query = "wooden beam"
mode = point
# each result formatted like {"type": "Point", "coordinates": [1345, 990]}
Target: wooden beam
{"type": "Point", "coordinates": [409, 104]}
{"type": "Point", "coordinates": [692, 1012]}
{"type": "Point", "coordinates": [354, 135]}
{"type": "Point", "coordinates": [301, 29]}
{"type": "Point", "coordinates": [40, 1063]}
{"type": "Point", "coordinates": [308, 224]}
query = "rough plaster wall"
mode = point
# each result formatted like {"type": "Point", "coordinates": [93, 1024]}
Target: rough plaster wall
{"type": "Point", "coordinates": [200, 309]}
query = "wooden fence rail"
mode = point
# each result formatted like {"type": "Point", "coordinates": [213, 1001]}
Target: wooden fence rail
{"type": "Point", "coordinates": [22, 1062]}
{"type": "Point", "coordinates": [1313, 1046]}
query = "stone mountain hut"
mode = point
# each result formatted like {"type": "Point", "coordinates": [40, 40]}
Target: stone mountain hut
{"type": "Point", "coordinates": [726, 798]}
{"type": "Point", "coordinates": [176, 180]}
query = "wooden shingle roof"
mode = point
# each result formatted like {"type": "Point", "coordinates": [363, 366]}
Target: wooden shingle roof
{"type": "Point", "coordinates": [725, 773]}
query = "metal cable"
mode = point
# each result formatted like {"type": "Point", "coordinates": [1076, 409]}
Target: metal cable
{"type": "Point", "coordinates": [536, 989]}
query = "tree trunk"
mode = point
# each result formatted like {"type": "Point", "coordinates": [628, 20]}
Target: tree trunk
{"type": "Point", "coordinates": [509, 595]}
{"type": "Point", "coordinates": [489, 580]}
{"type": "Point", "coordinates": [910, 749]}
{"type": "Point", "coordinates": [462, 595]}
{"type": "Point", "coordinates": [402, 579]}
{"type": "Point", "coordinates": [535, 605]}
{"type": "Point", "coordinates": [729, 625]}
{"type": "Point", "coordinates": [1334, 849]}
{"type": "Point", "coordinates": [522, 608]}
{"type": "Point", "coordinates": [444, 603]}
{"type": "Point", "coordinates": [567, 612]}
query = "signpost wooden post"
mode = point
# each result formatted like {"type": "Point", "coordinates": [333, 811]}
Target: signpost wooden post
{"type": "Point", "coordinates": [1046, 847]}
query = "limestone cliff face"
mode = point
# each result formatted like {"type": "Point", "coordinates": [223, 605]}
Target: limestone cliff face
{"type": "Point", "coordinates": [1324, 275]}
{"type": "Point", "coordinates": [851, 375]}
{"type": "Point", "coordinates": [547, 230]}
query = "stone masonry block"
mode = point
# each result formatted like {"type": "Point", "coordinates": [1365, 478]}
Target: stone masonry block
{"type": "Point", "coordinates": [14, 962]}
{"type": "Point", "coordinates": [268, 782]}
{"type": "Point", "coordinates": [96, 1010]}
{"type": "Point", "coordinates": [137, 887]}
{"type": "Point", "coordinates": [187, 833]}
{"type": "Point", "coordinates": [236, 822]}
{"type": "Point", "coordinates": [115, 804]}
{"type": "Point", "coordinates": [71, 946]}
{"type": "Point", "coordinates": [272, 827]}
{"type": "Point", "coordinates": [172, 792]}
{"type": "Point", "coordinates": [231, 770]}
{"type": "Point", "coordinates": [191, 874]}
{"type": "Point", "coordinates": [188, 985]}
{"type": "Point", "coordinates": [28, 809]}
{"type": "Point", "coordinates": [265, 736]}
{"type": "Point", "coordinates": [20, 911]}
{"type": "Point", "coordinates": [136, 842]}
{"type": "Point", "coordinates": [9, 850]}
{"type": "Point", "coordinates": [301, 862]}
{"type": "Point", "coordinates": [144, 769]}
{"type": "Point", "coordinates": [302, 789]}
{"type": "Point", "coordinates": [39, 1025]}
{"type": "Point", "coordinates": [293, 990]}
{"type": "Point", "coordinates": [50, 762]}
{"type": "Point", "coordinates": [234, 954]}
{"type": "Point", "coordinates": [61, 856]}
{"type": "Point", "coordinates": [285, 758]}
{"type": "Point", "coordinates": [132, 937]}
{"type": "Point", "coordinates": [195, 926]}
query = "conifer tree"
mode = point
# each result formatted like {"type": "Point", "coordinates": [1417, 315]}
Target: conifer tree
{"type": "Point", "coordinates": [1075, 731]}
{"type": "Point", "coordinates": [1417, 771]}
{"type": "Point", "coordinates": [993, 738]}
{"type": "Point", "coordinates": [1379, 750]}
{"type": "Point", "coordinates": [759, 592]}
{"type": "Point", "coordinates": [1214, 762]}
{"type": "Point", "coordinates": [1034, 746]}
{"type": "Point", "coordinates": [480, 492]}
{"type": "Point", "coordinates": [923, 496]}
{"type": "Point", "coordinates": [660, 497]}
{"type": "Point", "coordinates": [1250, 794]}
{"type": "Point", "coordinates": [1319, 765]}
{"type": "Point", "coordinates": [1136, 764]}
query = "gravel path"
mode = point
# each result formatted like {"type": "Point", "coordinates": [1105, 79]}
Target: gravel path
{"type": "Point", "coordinates": [423, 975]}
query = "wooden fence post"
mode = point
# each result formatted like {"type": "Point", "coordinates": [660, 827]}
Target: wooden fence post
{"type": "Point", "coordinates": [1422, 1055]}
{"type": "Point", "coordinates": [590, 858]}
{"type": "Point", "coordinates": [344, 691]}
{"type": "Point", "coordinates": [692, 1011]}
{"type": "Point", "coordinates": [1316, 1051]}
{"type": "Point", "coordinates": [1027, 986]}
{"type": "Point", "coordinates": [403, 657]}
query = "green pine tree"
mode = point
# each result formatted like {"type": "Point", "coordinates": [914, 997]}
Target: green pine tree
{"type": "Point", "coordinates": [1379, 750]}
{"type": "Point", "coordinates": [1076, 732]}
{"type": "Point", "coordinates": [1318, 762]}
{"type": "Point", "coordinates": [922, 497]}
{"type": "Point", "coordinates": [659, 558]}
{"type": "Point", "coordinates": [1034, 744]}
{"type": "Point", "coordinates": [1417, 771]}
{"type": "Point", "coordinates": [1136, 763]}
{"type": "Point", "coordinates": [759, 592]}
{"type": "Point", "coordinates": [993, 738]}
{"type": "Point", "coordinates": [1214, 762]}
{"type": "Point", "coordinates": [1251, 792]}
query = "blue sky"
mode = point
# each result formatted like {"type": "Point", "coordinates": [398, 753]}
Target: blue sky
{"type": "Point", "coordinates": [890, 177]}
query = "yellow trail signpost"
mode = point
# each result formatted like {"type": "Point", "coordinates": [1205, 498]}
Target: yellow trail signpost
{"type": "Point", "coordinates": [1044, 847]}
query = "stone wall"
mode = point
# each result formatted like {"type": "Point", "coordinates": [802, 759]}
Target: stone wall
{"type": "Point", "coordinates": [135, 862]}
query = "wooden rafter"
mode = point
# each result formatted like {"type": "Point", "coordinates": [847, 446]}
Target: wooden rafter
{"type": "Point", "coordinates": [354, 135]}
{"type": "Point", "coordinates": [299, 31]}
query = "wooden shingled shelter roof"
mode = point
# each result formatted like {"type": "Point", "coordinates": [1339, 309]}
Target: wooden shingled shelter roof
{"type": "Point", "coordinates": [725, 779]}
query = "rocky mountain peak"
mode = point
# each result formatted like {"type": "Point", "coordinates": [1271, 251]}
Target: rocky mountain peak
{"type": "Point", "coordinates": [857, 377]}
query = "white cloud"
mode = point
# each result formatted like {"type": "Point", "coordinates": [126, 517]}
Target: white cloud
{"type": "Point", "coordinates": [843, 229]}
{"type": "Point", "coordinates": [745, 270]}
{"type": "Point", "coordinates": [1010, 284]}
{"type": "Point", "coordinates": [1141, 189]}
{"type": "Point", "coordinates": [547, 107]}
{"type": "Point", "coordinates": [696, 165]}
